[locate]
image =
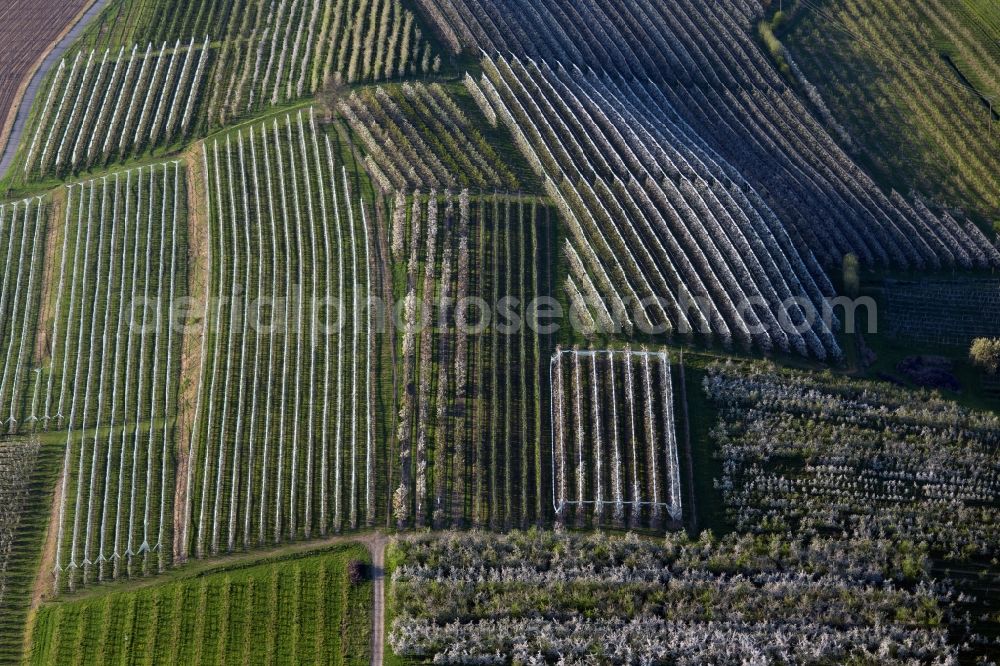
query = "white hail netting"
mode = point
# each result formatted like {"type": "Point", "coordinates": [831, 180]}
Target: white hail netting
{"type": "Point", "coordinates": [685, 167]}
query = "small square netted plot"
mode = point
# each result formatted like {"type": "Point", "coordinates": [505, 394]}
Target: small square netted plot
{"type": "Point", "coordinates": [614, 447]}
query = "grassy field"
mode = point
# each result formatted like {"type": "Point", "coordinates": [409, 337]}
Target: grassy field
{"type": "Point", "coordinates": [295, 610]}
{"type": "Point", "coordinates": [986, 14]}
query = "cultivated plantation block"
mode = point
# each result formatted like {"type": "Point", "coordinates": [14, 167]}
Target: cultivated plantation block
{"type": "Point", "coordinates": [614, 439]}
{"type": "Point", "coordinates": [283, 441]}
{"type": "Point", "coordinates": [112, 372]}
{"type": "Point", "coordinates": [23, 226]}
{"type": "Point", "coordinates": [285, 611]}
{"type": "Point", "coordinates": [472, 418]}
{"type": "Point", "coordinates": [99, 108]}
{"type": "Point", "coordinates": [471, 332]}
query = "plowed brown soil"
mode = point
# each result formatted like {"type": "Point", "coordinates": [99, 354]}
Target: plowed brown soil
{"type": "Point", "coordinates": [28, 29]}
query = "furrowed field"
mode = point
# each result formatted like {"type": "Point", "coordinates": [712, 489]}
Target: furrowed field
{"type": "Point", "coordinates": [30, 29]}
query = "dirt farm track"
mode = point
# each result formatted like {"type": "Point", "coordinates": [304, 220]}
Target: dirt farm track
{"type": "Point", "coordinates": [28, 29]}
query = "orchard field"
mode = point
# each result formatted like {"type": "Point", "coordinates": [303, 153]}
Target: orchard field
{"type": "Point", "coordinates": [292, 610]}
{"type": "Point", "coordinates": [473, 394]}
{"type": "Point", "coordinates": [638, 330]}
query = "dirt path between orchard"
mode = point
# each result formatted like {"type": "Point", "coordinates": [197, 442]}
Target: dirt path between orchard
{"type": "Point", "coordinates": [192, 352]}
{"type": "Point", "coordinates": [376, 544]}
{"type": "Point", "coordinates": [373, 541]}
{"type": "Point", "coordinates": [51, 263]}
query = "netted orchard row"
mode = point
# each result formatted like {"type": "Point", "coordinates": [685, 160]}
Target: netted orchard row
{"type": "Point", "coordinates": [972, 307]}
{"type": "Point", "coordinates": [283, 446]}
{"type": "Point", "coordinates": [106, 291]}
{"type": "Point", "coordinates": [661, 239]}
{"type": "Point", "coordinates": [614, 441]}
{"type": "Point", "coordinates": [102, 107]}
{"type": "Point", "coordinates": [23, 228]}
{"type": "Point", "coordinates": [831, 456]}
{"type": "Point", "coordinates": [562, 597]}
{"type": "Point", "coordinates": [714, 77]}
{"type": "Point", "coordinates": [416, 136]}
{"type": "Point", "coordinates": [280, 51]}
{"type": "Point", "coordinates": [470, 424]}
{"type": "Point", "coordinates": [629, 37]}
{"type": "Point", "coordinates": [112, 342]}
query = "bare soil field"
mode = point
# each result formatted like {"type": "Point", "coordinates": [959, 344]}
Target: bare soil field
{"type": "Point", "coordinates": [28, 29]}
